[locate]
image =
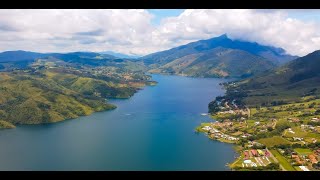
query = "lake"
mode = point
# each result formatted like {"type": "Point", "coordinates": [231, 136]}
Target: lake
{"type": "Point", "coordinates": [153, 130]}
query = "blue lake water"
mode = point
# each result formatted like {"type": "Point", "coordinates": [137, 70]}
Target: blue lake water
{"type": "Point", "coordinates": [153, 130]}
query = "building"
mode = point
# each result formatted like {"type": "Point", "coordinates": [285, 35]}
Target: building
{"type": "Point", "coordinates": [304, 168]}
{"type": "Point", "coordinates": [266, 153]}
{"type": "Point", "coordinates": [246, 154]}
{"type": "Point", "coordinates": [254, 152]}
{"type": "Point", "coordinates": [312, 158]}
{"type": "Point", "coordinates": [297, 139]}
{"type": "Point", "coordinates": [297, 159]}
{"type": "Point", "coordinates": [260, 152]}
{"type": "Point", "coordinates": [207, 128]}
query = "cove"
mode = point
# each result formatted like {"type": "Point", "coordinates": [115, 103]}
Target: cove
{"type": "Point", "coordinates": [153, 130]}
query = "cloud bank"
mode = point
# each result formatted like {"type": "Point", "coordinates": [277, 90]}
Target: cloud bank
{"type": "Point", "coordinates": [132, 31]}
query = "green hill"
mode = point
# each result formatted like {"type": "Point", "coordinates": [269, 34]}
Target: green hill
{"type": "Point", "coordinates": [35, 96]}
{"type": "Point", "coordinates": [35, 99]}
{"type": "Point", "coordinates": [288, 83]}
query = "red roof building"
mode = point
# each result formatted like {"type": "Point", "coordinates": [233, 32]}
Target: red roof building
{"type": "Point", "coordinates": [254, 152]}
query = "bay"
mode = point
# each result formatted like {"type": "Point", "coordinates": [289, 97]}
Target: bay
{"type": "Point", "coordinates": [153, 130]}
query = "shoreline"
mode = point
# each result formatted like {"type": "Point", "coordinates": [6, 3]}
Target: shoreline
{"type": "Point", "coordinates": [113, 107]}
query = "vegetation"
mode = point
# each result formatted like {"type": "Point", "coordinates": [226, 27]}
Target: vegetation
{"type": "Point", "coordinates": [303, 151]}
{"type": "Point", "coordinates": [295, 82]}
{"type": "Point", "coordinates": [216, 57]}
{"type": "Point", "coordinates": [6, 125]}
{"type": "Point", "coordinates": [48, 91]}
{"type": "Point", "coordinates": [285, 164]}
{"type": "Point", "coordinates": [273, 141]}
{"type": "Point", "coordinates": [279, 109]}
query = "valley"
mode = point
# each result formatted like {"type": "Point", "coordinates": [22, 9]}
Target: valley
{"type": "Point", "coordinates": [270, 112]}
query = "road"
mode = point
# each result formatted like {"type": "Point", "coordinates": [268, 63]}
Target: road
{"type": "Point", "coordinates": [276, 160]}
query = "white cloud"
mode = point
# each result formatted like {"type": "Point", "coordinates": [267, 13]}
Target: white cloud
{"type": "Point", "coordinates": [75, 30]}
{"type": "Point", "coordinates": [131, 31]}
{"type": "Point", "coordinates": [268, 27]}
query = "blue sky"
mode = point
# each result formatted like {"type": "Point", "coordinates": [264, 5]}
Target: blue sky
{"type": "Point", "coordinates": [164, 13]}
{"type": "Point", "coordinates": [304, 15]}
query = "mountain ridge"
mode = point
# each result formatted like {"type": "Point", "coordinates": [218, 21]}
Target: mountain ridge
{"type": "Point", "coordinates": [182, 60]}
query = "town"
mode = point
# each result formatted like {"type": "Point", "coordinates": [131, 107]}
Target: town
{"type": "Point", "coordinates": [283, 137]}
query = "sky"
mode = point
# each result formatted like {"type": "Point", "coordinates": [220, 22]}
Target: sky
{"type": "Point", "coordinates": [141, 32]}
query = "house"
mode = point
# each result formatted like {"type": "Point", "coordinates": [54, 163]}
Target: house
{"type": "Point", "coordinates": [295, 120]}
{"type": "Point", "coordinates": [290, 131]}
{"type": "Point", "coordinates": [260, 152]}
{"type": "Point", "coordinates": [206, 128]}
{"type": "Point", "coordinates": [304, 168]}
{"type": "Point", "coordinates": [246, 154]}
{"type": "Point", "coordinates": [313, 158]}
{"type": "Point", "coordinates": [266, 153]}
{"type": "Point", "coordinates": [244, 136]}
{"type": "Point", "coordinates": [297, 159]}
{"type": "Point", "coordinates": [263, 130]}
{"type": "Point", "coordinates": [297, 139]}
{"type": "Point", "coordinates": [254, 152]}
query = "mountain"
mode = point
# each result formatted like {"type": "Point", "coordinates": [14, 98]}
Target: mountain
{"type": "Point", "coordinates": [22, 59]}
{"type": "Point", "coordinates": [8, 56]}
{"type": "Point", "coordinates": [288, 83]}
{"type": "Point", "coordinates": [120, 55]}
{"type": "Point", "coordinates": [219, 56]}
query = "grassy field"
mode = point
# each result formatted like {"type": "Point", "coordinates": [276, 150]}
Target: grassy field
{"type": "Point", "coordinates": [303, 151]}
{"type": "Point", "coordinates": [297, 168]}
{"type": "Point", "coordinates": [282, 160]}
{"type": "Point", "coordinates": [272, 141]}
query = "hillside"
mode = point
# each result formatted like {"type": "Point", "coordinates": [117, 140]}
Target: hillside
{"type": "Point", "coordinates": [217, 57]}
{"type": "Point", "coordinates": [35, 99]}
{"type": "Point", "coordinates": [292, 82]}
{"type": "Point", "coordinates": [217, 62]}
{"type": "Point", "coordinates": [45, 95]}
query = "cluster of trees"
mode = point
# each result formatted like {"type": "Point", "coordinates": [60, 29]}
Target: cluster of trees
{"type": "Point", "coordinates": [296, 145]}
{"type": "Point", "coordinates": [316, 165]}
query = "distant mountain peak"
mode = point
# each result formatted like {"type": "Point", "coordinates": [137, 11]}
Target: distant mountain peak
{"type": "Point", "coordinates": [223, 36]}
{"type": "Point", "coordinates": [120, 55]}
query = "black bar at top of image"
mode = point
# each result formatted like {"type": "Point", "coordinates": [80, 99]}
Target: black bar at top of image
{"type": "Point", "coordinates": [162, 4]}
